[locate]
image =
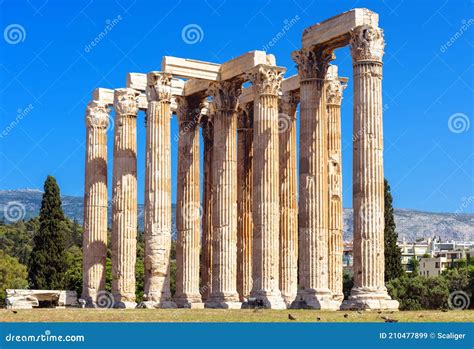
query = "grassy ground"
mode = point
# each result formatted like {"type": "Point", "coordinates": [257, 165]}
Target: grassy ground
{"type": "Point", "coordinates": [210, 315]}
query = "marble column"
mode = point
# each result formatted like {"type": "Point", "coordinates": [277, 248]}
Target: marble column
{"type": "Point", "coordinates": [206, 253]}
{"type": "Point", "coordinates": [188, 206]}
{"type": "Point", "coordinates": [369, 292]}
{"type": "Point", "coordinates": [334, 88]}
{"type": "Point", "coordinates": [224, 196]}
{"type": "Point", "coordinates": [266, 81]}
{"type": "Point", "coordinates": [124, 198]}
{"type": "Point", "coordinates": [313, 195]}
{"type": "Point", "coordinates": [95, 202]}
{"type": "Point", "coordinates": [288, 197]}
{"type": "Point", "coordinates": [158, 192]}
{"type": "Point", "coordinates": [244, 201]}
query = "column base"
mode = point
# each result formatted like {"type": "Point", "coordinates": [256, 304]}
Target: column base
{"type": "Point", "coordinates": [189, 302]}
{"type": "Point", "coordinates": [315, 299]}
{"type": "Point", "coordinates": [369, 299]}
{"type": "Point", "coordinates": [223, 305]}
{"type": "Point", "coordinates": [157, 305]}
{"type": "Point", "coordinates": [338, 297]}
{"type": "Point", "coordinates": [125, 305]}
{"type": "Point", "coordinates": [288, 299]}
{"type": "Point", "coordinates": [220, 301]}
{"type": "Point", "coordinates": [263, 300]}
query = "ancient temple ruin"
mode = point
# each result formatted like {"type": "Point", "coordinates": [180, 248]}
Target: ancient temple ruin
{"type": "Point", "coordinates": [253, 238]}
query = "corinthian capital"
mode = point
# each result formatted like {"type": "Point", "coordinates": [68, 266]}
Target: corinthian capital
{"type": "Point", "coordinates": [334, 86]}
{"type": "Point", "coordinates": [97, 115]}
{"type": "Point", "coordinates": [225, 94]}
{"type": "Point", "coordinates": [190, 109]}
{"type": "Point", "coordinates": [334, 90]}
{"type": "Point", "coordinates": [288, 104]}
{"type": "Point", "coordinates": [313, 63]}
{"type": "Point", "coordinates": [126, 101]}
{"type": "Point", "coordinates": [266, 79]}
{"type": "Point", "coordinates": [367, 43]}
{"type": "Point", "coordinates": [158, 87]}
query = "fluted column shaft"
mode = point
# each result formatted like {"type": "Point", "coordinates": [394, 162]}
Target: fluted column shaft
{"type": "Point", "coordinates": [334, 90]}
{"type": "Point", "coordinates": [158, 192]}
{"type": "Point", "coordinates": [124, 198]}
{"type": "Point", "coordinates": [188, 208]}
{"type": "Point", "coordinates": [266, 81]}
{"type": "Point", "coordinates": [206, 259]}
{"type": "Point", "coordinates": [313, 200]}
{"type": "Point", "coordinates": [95, 202]}
{"type": "Point", "coordinates": [369, 290]}
{"type": "Point", "coordinates": [224, 196]}
{"type": "Point", "coordinates": [244, 201]}
{"type": "Point", "coordinates": [288, 198]}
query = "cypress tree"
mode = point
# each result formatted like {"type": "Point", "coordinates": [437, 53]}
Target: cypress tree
{"type": "Point", "coordinates": [393, 254]}
{"type": "Point", "coordinates": [48, 263]}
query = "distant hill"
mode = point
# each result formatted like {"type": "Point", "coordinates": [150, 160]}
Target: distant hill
{"type": "Point", "coordinates": [411, 224]}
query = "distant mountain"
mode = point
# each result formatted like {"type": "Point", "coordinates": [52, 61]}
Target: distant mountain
{"type": "Point", "coordinates": [411, 224]}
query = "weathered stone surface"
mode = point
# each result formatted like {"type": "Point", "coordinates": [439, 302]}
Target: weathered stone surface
{"type": "Point", "coordinates": [158, 223]}
{"type": "Point", "coordinates": [28, 299]}
{"type": "Point", "coordinates": [106, 95]}
{"type": "Point", "coordinates": [314, 199]}
{"type": "Point", "coordinates": [250, 212]}
{"type": "Point", "coordinates": [206, 253]}
{"type": "Point", "coordinates": [334, 89]}
{"type": "Point", "coordinates": [95, 201]}
{"type": "Point", "coordinates": [369, 290]}
{"type": "Point", "coordinates": [124, 198]}
{"type": "Point", "coordinates": [188, 205]}
{"type": "Point", "coordinates": [224, 204]}
{"type": "Point", "coordinates": [193, 69]}
{"type": "Point", "coordinates": [335, 31]}
{"type": "Point", "coordinates": [266, 81]}
{"type": "Point", "coordinates": [244, 200]}
{"type": "Point", "coordinates": [288, 196]}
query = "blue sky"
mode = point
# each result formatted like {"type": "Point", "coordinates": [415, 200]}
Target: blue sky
{"type": "Point", "coordinates": [47, 76]}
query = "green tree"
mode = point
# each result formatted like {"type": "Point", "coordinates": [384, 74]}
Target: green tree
{"type": "Point", "coordinates": [414, 266]}
{"type": "Point", "coordinates": [393, 254]}
{"type": "Point", "coordinates": [48, 262]}
{"type": "Point", "coordinates": [13, 274]}
{"type": "Point", "coordinates": [347, 284]}
{"type": "Point", "coordinates": [418, 292]}
{"type": "Point", "coordinates": [73, 275]}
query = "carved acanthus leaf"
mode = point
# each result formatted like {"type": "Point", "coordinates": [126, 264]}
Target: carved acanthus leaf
{"type": "Point", "coordinates": [288, 103]}
{"type": "Point", "coordinates": [158, 87]}
{"type": "Point", "coordinates": [126, 101]}
{"type": "Point", "coordinates": [97, 114]}
{"type": "Point", "coordinates": [334, 90]}
{"type": "Point", "coordinates": [266, 79]}
{"type": "Point", "coordinates": [367, 43]}
{"type": "Point", "coordinates": [313, 63]}
{"type": "Point", "coordinates": [189, 109]}
{"type": "Point", "coordinates": [225, 94]}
